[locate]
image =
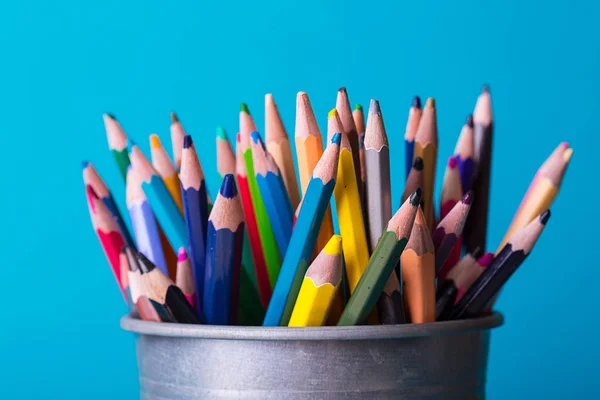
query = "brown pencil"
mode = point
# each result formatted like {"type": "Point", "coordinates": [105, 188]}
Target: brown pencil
{"type": "Point", "coordinates": [476, 227]}
{"type": "Point", "coordinates": [418, 273]}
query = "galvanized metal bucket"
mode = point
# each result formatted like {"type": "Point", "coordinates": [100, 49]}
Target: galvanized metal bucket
{"type": "Point", "coordinates": [442, 360]}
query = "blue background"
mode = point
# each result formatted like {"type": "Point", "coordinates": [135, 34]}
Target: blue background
{"type": "Point", "coordinates": [66, 62]}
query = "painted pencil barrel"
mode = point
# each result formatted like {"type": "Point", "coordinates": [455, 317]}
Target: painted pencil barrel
{"type": "Point", "coordinates": [177, 362]}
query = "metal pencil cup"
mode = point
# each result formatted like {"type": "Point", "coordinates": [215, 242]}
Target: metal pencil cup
{"type": "Point", "coordinates": [442, 360]}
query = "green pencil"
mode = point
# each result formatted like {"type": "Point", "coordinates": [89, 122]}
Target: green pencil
{"type": "Point", "coordinates": [382, 263]}
{"type": "Point", "coordinates": [117, 142]}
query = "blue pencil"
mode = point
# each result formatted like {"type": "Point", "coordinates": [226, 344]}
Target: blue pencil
{"type": "Point", "coordinates": [144, 224]}
{"type": "Point", "coordinates": [465, 155]}
{"type": "Point", "coordinates": [164, 207]}
{"type": "Point", "coordinates": [414, 116]}
{"type": "Point", "coordinates": [195, 210]}
{"type": "Point", "coordinates": [224, 256]}
{"type": "Point", "coordinates": [314, 204]}
{"type": "Point", "coordinates": [274, 193]}
{"type": "Point", "coordinates": [92, 178]}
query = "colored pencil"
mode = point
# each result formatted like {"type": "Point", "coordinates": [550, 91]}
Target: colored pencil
{"type": "Point", "coordinates": [260, 266]}
{"type": "Point", "coordinates": [449, 230]}
{"type": "Point", "coordinates": [377, 161]}
{"type": "Point", "coordinates": [185, 276]}
{"type": "Point", "coordinates": [224, 256]}
{"type": "Point", "coordinates": [314, 204]}
{"type": "Point", "coordinates": [500, 270]}
{"type": "Point", "coordinates": [108, 232]}
{"type": "Point", "coordinates": [381, 264]}
{"type": "Point", "coordinates": [273, 192]}
{"type": "Point", "coordinates": [418, 273]}
{"type": "Point", "coordinates": [117, 142]}
{"type": "Point", "coordinates": [476, 227]}
{"type": "Point", "coordinates": [166, 170]}
{"type": "Point", "coordinates": [451, 195]}
{"type": "Point", "coordinates": [467, 277]}
{"type": "Point", "coordinates": [319, 286]}
{"type": "Point", "coordinates": [412, 125]}
{"type": "Point", "coordinates": [445, 301]}
{"type": "Point", "coordinates": [177, 134]}
{"type": "Point", "coordinates": [347, 200]}
{"type": "Point", "coordinates": [278, 145]}
{"type": "Point", "coordinates": [452, 282]}
{"type": "Point", "coordinates": [309, 149]}
{"type": "Point", "coordinates": [359, 121]}
{"type": "Point", "coordinates": [265, 228]}
{"type": "Point", "coordinates": [165, 210]}
{"type": "Point", "coordinates": [426, 144]}
{"type": "Point", "coordinates": [124, 274]}
{"type": "Point", "coordinates": [225, 154]}
{"type": "Point", "coordinates": [542, 191]}
{"type": "Point", "coordinates": [465, 155]}
{"type": "Point", "coordinates": [145, 227]}
{"type": "Point", "coordinates": [195, 207]}
{"type": "Point", "coordinates": [344, 110]}
{"type": "Point", "coordinates": [162, 290]}
{"type": "Point", "coordinates": [414, 180]}
{"type": "Point", "coordinates": [147, 309]}
{"type": "Point", "coordinates": [92, 178]}
{"type": "Point", "coordinates": [391, 304]}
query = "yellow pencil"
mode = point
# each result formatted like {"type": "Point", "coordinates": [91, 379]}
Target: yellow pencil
{"type": "Point", "coordinates": [319, 286]}
{"type": "Point", "coordinates": [309, 148]}
{"type": "Point", "coordinates": [165, 168]}
{"type": "Point", "coordinates": [347, 201]}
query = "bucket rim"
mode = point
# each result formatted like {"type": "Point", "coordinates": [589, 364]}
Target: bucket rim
{"type": "Point", "coordinates": [365, 332]}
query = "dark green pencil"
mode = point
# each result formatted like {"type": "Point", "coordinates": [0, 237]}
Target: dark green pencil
{"type": "Point", "coordinates": [382, 263]}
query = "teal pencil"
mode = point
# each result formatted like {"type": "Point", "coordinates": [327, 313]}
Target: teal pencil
{"type": "Point", "coordinates": [274, 194]}
{"type": "Point", "coordinates": [314, 204]}
{"type": "Point", "coordinates": [164, 207]}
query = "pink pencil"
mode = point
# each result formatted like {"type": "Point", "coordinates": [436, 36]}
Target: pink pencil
{"type": "Point", "coordinates": [185, 278]}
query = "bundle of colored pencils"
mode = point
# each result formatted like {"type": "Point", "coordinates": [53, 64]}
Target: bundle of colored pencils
{"type": "Point", "coordinates": [266, 253]}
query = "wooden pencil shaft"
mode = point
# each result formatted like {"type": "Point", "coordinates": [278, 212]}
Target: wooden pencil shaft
{"type": "Point", "coordinates": [381, 265]}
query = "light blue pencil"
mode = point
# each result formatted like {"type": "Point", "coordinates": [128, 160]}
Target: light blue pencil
{"type": "Point", "coordinates": [164, 208]}
{"type": "Point", "coordinates": [274, 193]}
{"type": "Point", "coordinates": [314, 204]}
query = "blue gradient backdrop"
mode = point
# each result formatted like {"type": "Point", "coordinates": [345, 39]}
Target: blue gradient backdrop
{"type": "Point", "coordinates": [66, 62]}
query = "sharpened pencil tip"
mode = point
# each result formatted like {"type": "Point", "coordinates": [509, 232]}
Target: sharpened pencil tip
{"type": "Point", "coordinates": [374, 107]}
{"type": "Point", "coordinates": [342, 90]}
{"type": "Point", "coordinates": [130, 144]}
{"type": "Point", "coordinates": [485, 259]}
{"type": "Point", "coordinates": [430, 103]}
{"type": "Point", "coordinates": [221, 133]}
{"type": "Point", "coordinates": [358, 107]}
{"type": "Point", "coordinates": [228, 188]}
{"type": "Point", "coordinates": [84, 164]}
{"type": "Point", "coordinates": [332, 113]}
{"type": "Point", "coordinates": [244, 108]}
{"type": "Point", "coordinates": [415, 197]}
{"type": "Point", "coordinates": [544, 217]}
{"type": "Point", "coordinates": [416, 103]}
{"type": "Point", "coordinates": [452, 162]}
{"type": "Point", "coordinates": [485, 89]}
{"type": "Point", "coordinates": [468, 197]}
{"type": "Point", "coordinates": [145, 264]}
{"type": "Point", "coordinates": [155, 141]}
{"type": "Point", "coordinates": [418, 164]}
{"type": "Point", "coordinates": [182, 254]}
{"type": "Point", "coordinates": [174, 118]}
{"type": "Point", "coordinates": [111, 116]}
{"type": "Point", "coordinates": [91, 192]}
{"type": "Point", "coordinates": [255, 137]}
{"type": "Point", "coordinates": [336, 138]}
{"type": "Point", "coordinates": [477, 252]}
{"type": "Point", "coordinates": [187, 142]}
{"type": "Point", "coordinates": [470, 121]}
